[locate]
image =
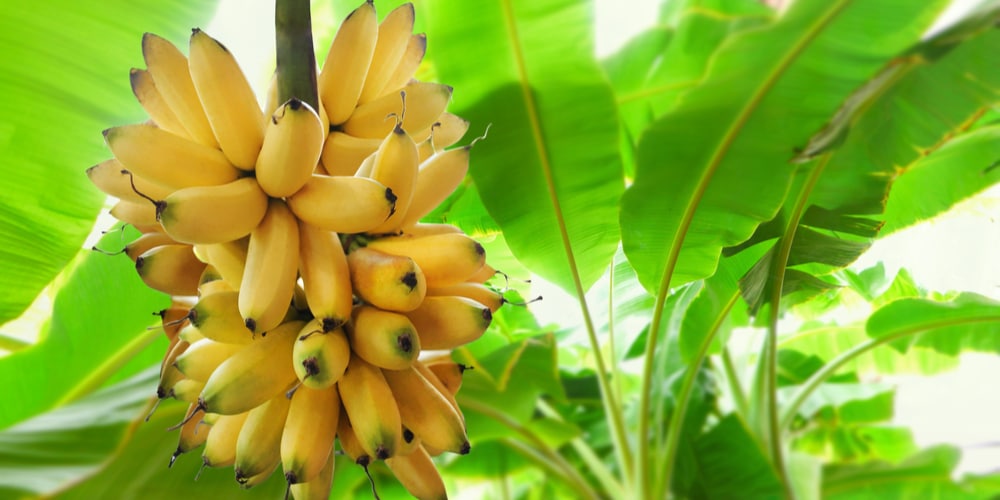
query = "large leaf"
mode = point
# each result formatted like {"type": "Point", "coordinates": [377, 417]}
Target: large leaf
{"type": "Point", "coordinates": [65, 79]}
{"type": "Point", "coordinates": [960, 169]}
{"type": "Point", "coordinates": [969, 322]}
{"type": "Point", "coordinates": [98, 322]}
{"type": "Point", "coordinates": [730, 464]}
{"type": "Point", "coordinates": [701, 188]}
{"type": "Point", "coordinates": [550, 172]}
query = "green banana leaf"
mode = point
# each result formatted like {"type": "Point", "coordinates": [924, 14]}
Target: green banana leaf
{"type": "Point", "coordinates": [549, 172]}
{"type": "Point", "coordinates": [65, 70]}
{"type": "Point", "coordinates": [969, 322]}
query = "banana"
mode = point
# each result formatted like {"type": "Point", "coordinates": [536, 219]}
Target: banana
{"type": "Point", "coordinates": [366, 166]}
{"type": "Point", "coordinates": [255, 374]}
{"type": "Point", "coordinates": [140, 214]}
{"type": "Point", "coordinates": [213, 214]}
{"type": "Point", "coordinates": [211, 281]}
{"type": "Point", "coordinates": [292, 146]}
{"type": "Point", "coordinates": [416, 47]}
{"type": "Point", "coordinates": [449, 321]}
{"type": "Point", "coordinates": [190, 334]}
{"type": "Point", "coordinates": [173, 319]}
{"type": "Point", "coordinates": [390, 282]}
{"type": "Point", "coordinates": [111, 177]}
{"type": "Point", "coordinates": [167, 159]}
{"type": "Point", "coordinates": [393, 35]}
{"type": "Point", "coordinates": [217, 317]}
{"type": "Point", "coordinates": [343, 75]}
{"type": "Point", "coordinates": [422, 229]}
{"type": "Point", "coordinates": [193, 434]}
{"type": "Point", "coordinates": [171, 269]}
{"type": "Point", "coordinates": [436, 179]}
{"type": "Point", "coordinates": [342, 153]}
{"type": "Point", "coordinates": [479, 292]}
{"type": "Point", "coordinates": [445, 259]}
{"type": "Point", "coordinates": [317, 488]}
{"type": "Point", "coordinates": [229, 258]}
{"type": "Point", "coordinates": [395, 166]}
{"type": "Point", "coordinates": [409, 443]}
{"type": "Point", "coordinates": [444, 132]}
{"type": "Point", "coordinates": [349, 443]}
{"type": "Point", "coordinates": [343, 204]}
{"type": "Point", "coordinates": [309, 434]}
{"type": "Point", "coordinates": [220, 445]}
{"type": "Point", "coordinates": [326, 277]}
{"type": "Point", "coordinates": [424, 103]}
{"type": "Point", "coordinates": [371, 408]}
{"type": "Point", "coordinates": [227, 98]}
{"type": "Point", "coordinates": [172, 76]}
{"type": "Point", "coordinates": [203, 357]}
{"type": "Point", "coordinates": [186, 390]}
{"type": "Point", "coordinates": [258, 447]}
{"type": "Point", "coordinates": [448, 372]}
{"type": "Point", "coordinates": [484, 274]}
{"type": "Point", "coordinates": [169, 374]}
{"type": "Point", "coordinates": [271, 270]}
{"type": "Point", "coordinates": [319, 357]}
{"type": "Point", "coordinates": [385, 339]}
{"type": "Point", "coordinates": [145, 91]}
{"type": "Point", "coordinates": [426, 412]}
{"type": "Point", "coordinates": [443, 390]}
{"type": "Point", "coordinates": [417, 473]}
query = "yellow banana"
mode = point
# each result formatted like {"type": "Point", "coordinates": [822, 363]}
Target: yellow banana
{"type": "Point", "coordinates": [444, 132]}
{"type": "Point", "coordinates": [326, 277]}
{"type": "Point", "coordinates": [448, 372]}
{"type": "Point", "coordinates": [173, 319]}
{"type": "Point", "coordinates": [220, 445]}
{"type": "Point", "coordinates": [371, 408]}
{"type": "Point", "coordinates": [442, 389]}
{"type": "Point", "coordinates": [167, 159]}
{"type": "Point", "coordinates": [349, 443]}
{"type": "Point", "coordinates": [424, 103]}
{"type": "Point", "coordinates": [343, 204]}
{"type": "Point", "coordinates": [483, 274]}
{"type": "Point", "coordinates": [343, 75]}
{"type": "Point", "coordinates": [310, 432]}
{"type": "Point", "coordinates": [418, 474]}
{"type": "Point", "coordinates": [187, 390]}
{"type": "Point", "coordinates": [422, 229]}
{"type": "Point", "coordinates": [217, 317]}
{"type": "Point", "coordinates": [258, 447]}
{"type": "Point", "coordinates": [317, 488]}
{"type": "Point", "coordinates": [479, 292]}
{"type": "Point", "coordinates": [319, 357]}
{"type": "Point", "coordinates": [292, 146]}
{"type": "Point", "coordinates": [228, 258]}
{"type": "Point", "coordinates": [426, 412]}
{"type": "Point", "coordinates": [213, 214]}
{"type": "Point", "coordinates": [190, 334]}
{"type": "Point", "coordinates": [444, 258]}
{"type": "Point", "coordinates": [271, 270]}
{"type": "Point", "coordinates": [393, 35]}
{"type": "Point", "coordinates": [416, 47]}
{"type": "Point", "coordinates": [170, 71]}
{"type": "Point", "coordinates": [385, 339]}
{"type": "Point", "coordinates": [227, 98]}
{"type": "Point", "coordinates": [436, 179]}
{"type": "Point", "coordinates": [203, 357]}
{"type": "Point", "coordinates": [211, 281]}
{"type": "Point", "coordinates": [193, 434]}
{"type": "Point", "coordinates": [140, 214]}
{"type": "Point", "coordinates": [365, 169]}
{"type": "Point", "coordinates": [145, 91]}
{"type": "Point", "coordinates": [343, 154]}
{"type": "Point", "coordinates": [395, 166]}
{"type": "Point", "coordinates": [111, 177]}
{"type": "Point", "coordinates": [171, 269]}
{"type": "Point", "coordinates": [146, 242]}
{"type": "Point", "coordinates": [446, 322]}
{"type": "Point", "coordinates": [409, 443]}
{"type": "Point", "coordinates": [390, 282]}
{"type": "Point", "coordinates": [255, 374]}
{"type": "Point", "coordinates": [169, 374]}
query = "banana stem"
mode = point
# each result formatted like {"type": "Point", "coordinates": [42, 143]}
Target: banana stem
{"type": "Point", "coordinates": [296, 59]}
{"type": "Point", "coordinates": [612, 487]}
{"type": "Point", "coordinates": [12, 344]}
{"type": "Point", "coordinates": [733, 378]}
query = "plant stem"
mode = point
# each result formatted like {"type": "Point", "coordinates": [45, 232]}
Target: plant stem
{"type": "Point", "coordinates": [676, 423]}
{"type": "Point", "coordinates": [612, 487]}
{"type": "Point", "coordinates": [12, 344]}
{"type": "Point", "coordinates": [739, 396]}
{"type": "Point", "coordinates": [552, 459]}
{"type": "Point", "coordinates": [296, 59]}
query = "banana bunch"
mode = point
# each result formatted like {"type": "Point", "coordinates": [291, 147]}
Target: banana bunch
{"type": "Point", "coordinates": [305, 286]}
